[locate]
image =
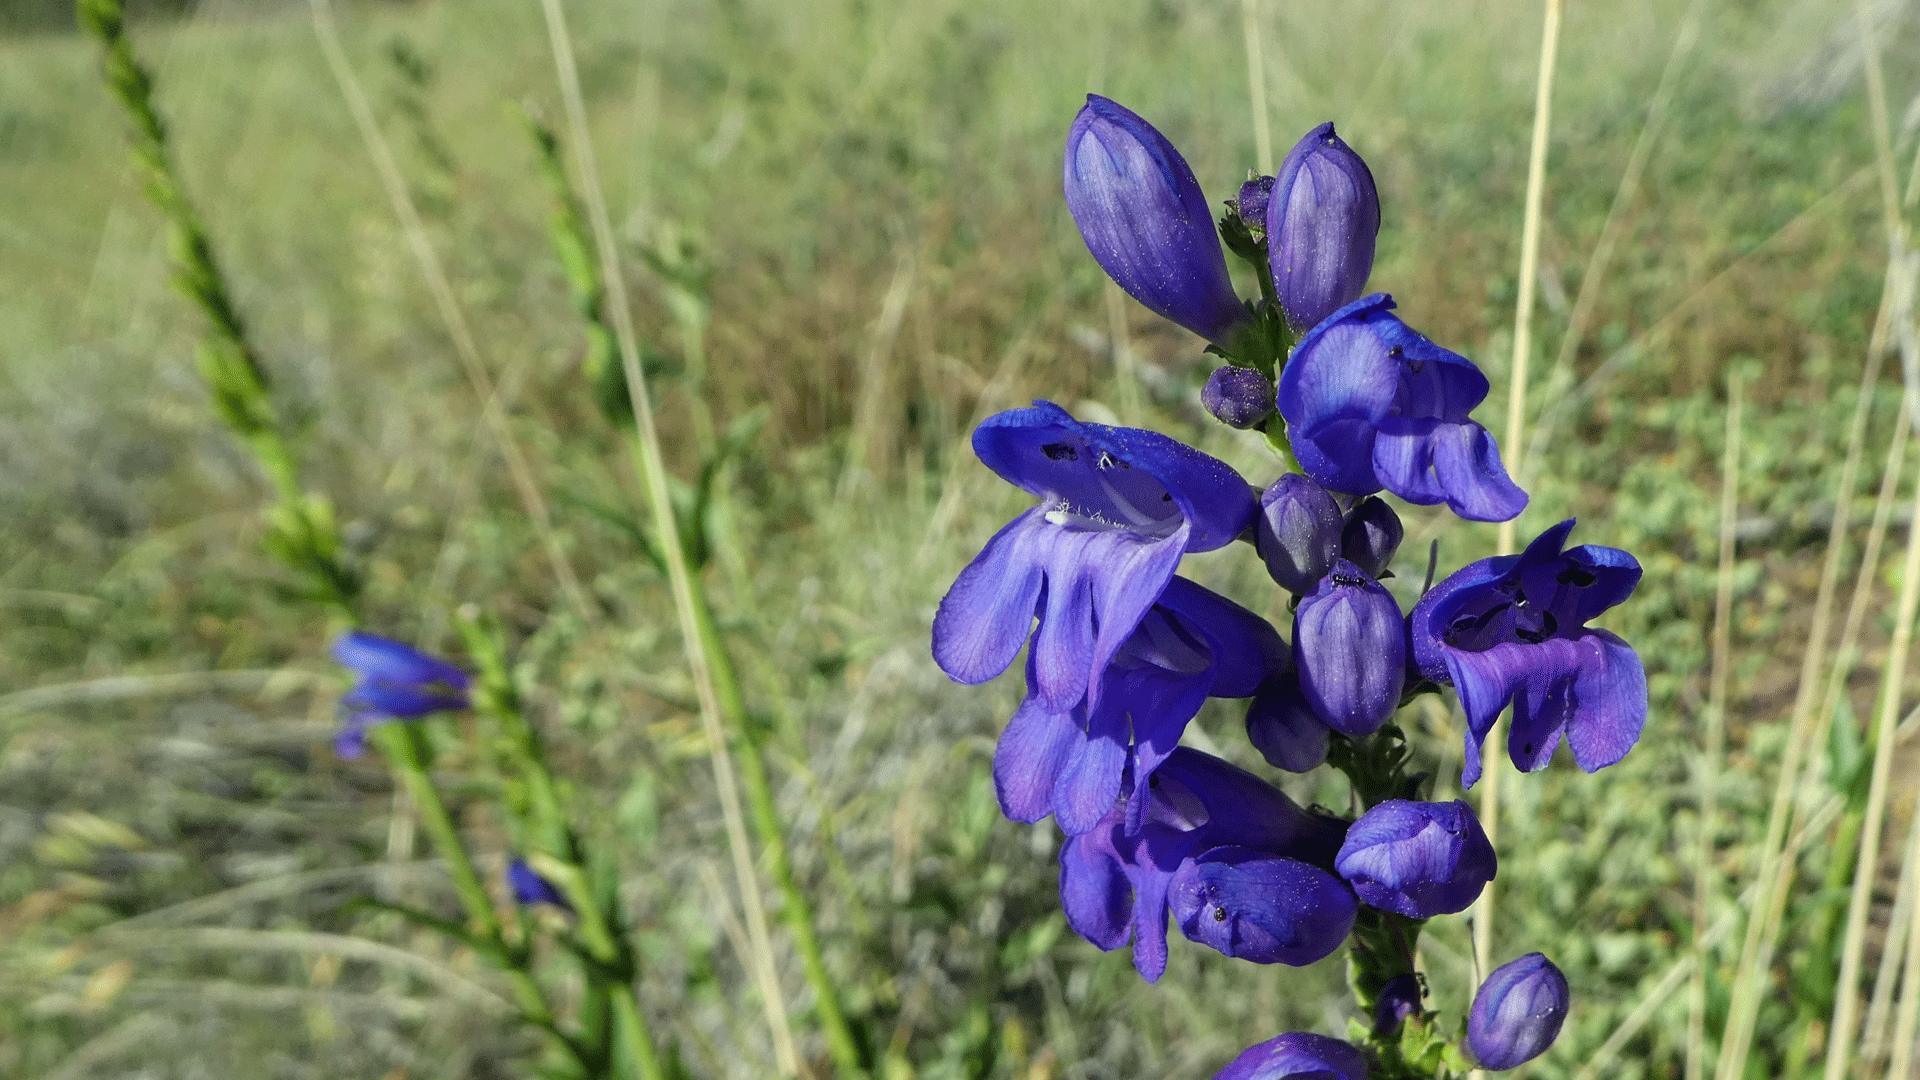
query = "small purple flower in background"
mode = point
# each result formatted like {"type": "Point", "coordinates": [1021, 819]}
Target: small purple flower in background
{"type": "Point", "coordinates": [1371, 535]}
{"type": "Point", "coordinates": [1297, 532]}
{"type": "Point", "coordinates": [1322, 218]}
{"type": "Point", "coordinates": [1514, 629]}
{"type": "Point", "coordinates": [1517, 1013]}
{"type": "Point", "coordinates": [396, 682]}
{"type": "Point", "coordinates": [1119, 507]}
{"type": "Point", "coordinates": [1147, 222]}
{"type": "Point", "coordinates": [1397, 1000]}
{"type": "Point", "coordinates": [1371, 404]}
{"type": "Point", "coordinates": [1238, 397]}
{"type": "Point", "coordinates": [1193, 644]}
{"type": "Point", "coordinates": [529, 888]}
{"type": "Point", "coordinates": [1236, 861]}
{"type": "Point", "coordinates": [1284, 728]}
{"type": "Point", "coordinates": [1417, 859]}
{"type": "Point", "coordinates": [1251, 203]}
{"type": "Point", "coordinates": [1297, 1055]}
{"type": "Point", "coordinates": [1349, 644]}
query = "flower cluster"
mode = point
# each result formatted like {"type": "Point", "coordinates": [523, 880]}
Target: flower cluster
{"type": "Point", "coordinates": [1122, 651]}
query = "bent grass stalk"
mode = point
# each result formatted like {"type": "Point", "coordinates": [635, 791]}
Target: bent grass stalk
{"type": "Point", "coordinates": [1516, 429]}
{"type": "Point", "coordinates": [713, 677]}
{"type": "Point", "coordinates": [1775, 873]}
{"type": "Point", "coordinates": [519, 469]}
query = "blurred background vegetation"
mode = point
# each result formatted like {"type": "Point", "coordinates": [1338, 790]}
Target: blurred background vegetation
{"type": "Point", "coordinates": [847, 213]}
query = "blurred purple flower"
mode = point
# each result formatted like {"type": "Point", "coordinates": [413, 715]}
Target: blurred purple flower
{"type": "Point", "coordinates": [529, 888]}
{"type": "Point", "coordinates": [1234, 860]}
{"type": "Point", "coordinates": [1284, 728]}
{"type": "Point", "coordinates": [1514, 629]}
{"type": "Point", "coordinates": [396, 682]}
{"type": "Point", "coordinates": [1322, 218]}
{"type": "Point", "coordinates": [1417, 859]}
{"type": "Point", "coordinates": [1371, 404]}
{"type": "Point", "coordinates": [1193, 644]}
{"type": "Point", "coordinates": [1119, 506]}
{"type": "Point", "coordinates": [1147, 222]}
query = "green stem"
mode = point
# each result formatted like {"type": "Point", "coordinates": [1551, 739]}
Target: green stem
{"type": "Point", "coordinates": [794, 908]}
{"type": "Point", "coordinates": [399, 743]}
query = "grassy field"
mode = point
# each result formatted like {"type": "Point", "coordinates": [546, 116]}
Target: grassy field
{"type": "Point", "coordinates": [179, 845]}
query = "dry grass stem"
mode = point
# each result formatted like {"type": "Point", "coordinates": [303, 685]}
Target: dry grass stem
{"type": "Point", "coordinates": [451, 313]}
{"type": "Point", "coordinates": [1714, 741]}
{"type": "Point", "coordinates": [653, 472]}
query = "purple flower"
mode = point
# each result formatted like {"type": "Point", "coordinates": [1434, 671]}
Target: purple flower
{"type": "Point", "coordinates": [1193, 644]}
{"type": "Point", "coordinates": [1350, 646]}
{"type": "Point", "coordinates": [1251, 204]}
{"type": "Point", "coordinates": [1397, 1000]}
{"type": "Point", "coordinates": [1238, 864]}
{"type": "Point", "coordinates": [396, 682]}
{"type": "Point", "coordinates": [1284, 728]}
{"type": "Point", "coordinates": [1297, 532]}
{"type": "Point", "coordinates": [1322, 218]}
{"type": "Point", "coordinates": [1297, 1056]}
{"type": "Point", "coordinates": [529, 888]}
{"type": "Point", "coordinates": [1514, 629]}
{"type": "Point", "coordinates": [1238, 397]}
{"type": "Point", "coordinates": [1371, 535]}
{"type": "Point", "coordinates": [1119, 506]}
{"type": "Point", "coordinates": [1518, 1012]}
{"type": "Point", "coordinates": [1371, 404]}
{"type": "Point", "coordinates": [1417, 859]}
{"type": "Point", "coordinates": [1146, 220]}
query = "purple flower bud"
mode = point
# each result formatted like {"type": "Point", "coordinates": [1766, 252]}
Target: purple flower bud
{"type": "Point", "coordinates": [1297, 1054]}
{"type": "Point", "coordinates": [1417, 859]}
{"type": "Point", "coordinates": [1146, 220]}
{"type": "Point", "coordinates": [529, 888]}
{"type": "Point", "coordinates": [1252, 203]}
{"type": "Point", "coordinates": [1297, 532]}
{"type": "Point", "coordinates": [1238, 397]}
{"type": "Point", "coordinates": [1373, 533]}
{"type": "Point", "coordinates": [1257, 906]}
{"type": "Point", "coordinates": [1284, 728]}
{"type": "Point", "coordinates": [1518, 1012]}
{"type": "Point", "coordinates": [1321, 223]}
{"type": "Point", "coordinates": [1350, 647]}
{"type": "Point", "coordinates": [1397, 1000]}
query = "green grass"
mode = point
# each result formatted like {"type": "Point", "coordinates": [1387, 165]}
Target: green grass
{"type": "Point", "coordinates": [798, 153]}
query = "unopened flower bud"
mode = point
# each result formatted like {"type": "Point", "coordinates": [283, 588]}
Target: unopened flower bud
{"type": "Point", "coordinates": [1254, 905]}
{"type": "Point", "coordinates": [1518, 1012]}
{"type": "Point", "coordinates": [1397, 1000]}
{"type": "Point", "coordinates": [1284, 728]}
{"type": "Point", "coordinates": [1373, 533]}
{"type": "Point", "coordinates": [1417, 859]}
{"type": "Point", "coordinates": [1297, 532]}
{"type": "Point", "coordinates": [1322, 220]}
{"type": "Point", "coordinates": [1350, 646]}
{"type": "Point", "coordinates": [1146, 220]}
{"type": "Point", "coordinates": [1252, 203]}
{"type": "Point", "coordinates": [1238, 397]}
{"type": "Point", "coordinates": [1297, 1054]}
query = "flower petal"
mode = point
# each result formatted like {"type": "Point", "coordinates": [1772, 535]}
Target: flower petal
{"type": "Point", "coordinates": [1095, 894]}
{"type": "Point", "coordinates": [1030, 756]}
{"type": "Point", "coordinates": [1600, 702]}
{"type": "Point", "coordinates": [984, 618]}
